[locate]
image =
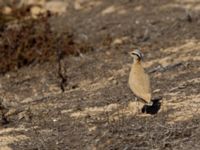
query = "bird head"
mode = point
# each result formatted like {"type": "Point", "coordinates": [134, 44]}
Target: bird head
{"type": "Point", "coordinates": [137, 54]}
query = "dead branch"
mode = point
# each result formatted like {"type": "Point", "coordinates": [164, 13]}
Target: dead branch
{"type": "Point", "coordinates": [63, 78]}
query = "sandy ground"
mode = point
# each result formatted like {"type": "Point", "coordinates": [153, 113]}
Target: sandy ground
{"type": "Point", "coordinates": [97, 110]}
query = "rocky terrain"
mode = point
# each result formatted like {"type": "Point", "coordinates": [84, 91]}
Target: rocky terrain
{"type": "Point", "coordinates": [64, 73]}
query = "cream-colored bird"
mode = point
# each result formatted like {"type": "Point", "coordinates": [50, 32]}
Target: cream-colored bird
{"type": "Point", "coordinates": [138, 80]}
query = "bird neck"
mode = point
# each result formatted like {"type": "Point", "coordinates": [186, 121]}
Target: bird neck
{"type": "Point", "coordinates": [136, 61]}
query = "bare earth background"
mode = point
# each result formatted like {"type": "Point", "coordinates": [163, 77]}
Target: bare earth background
{"type": "Point", "coordinates": [63, 82]}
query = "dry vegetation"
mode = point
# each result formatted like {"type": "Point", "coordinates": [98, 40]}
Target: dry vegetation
{"type": "Point", "coordinates": [25, 40]}
{"type": "Point", "coordinates": [63, 82]}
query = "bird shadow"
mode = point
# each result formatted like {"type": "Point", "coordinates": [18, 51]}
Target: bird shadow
{"type": "Point", "coordinates": [154, 108]}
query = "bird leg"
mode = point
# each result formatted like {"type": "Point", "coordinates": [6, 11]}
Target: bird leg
{"type": "Point", "coordinates": [137, 103]}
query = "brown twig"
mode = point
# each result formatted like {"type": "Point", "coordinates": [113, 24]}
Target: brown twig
{"type": "Point", "coordinates": [61, 75]}
{"type": "Point", "coordinates": [4, 119]}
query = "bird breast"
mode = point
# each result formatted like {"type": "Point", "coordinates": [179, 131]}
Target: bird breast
{"type": "Point", "coordinates": [139, 82]}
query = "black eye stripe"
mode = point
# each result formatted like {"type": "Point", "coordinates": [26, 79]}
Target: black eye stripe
{"type": "Point", "coordinates": [135, 54]}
